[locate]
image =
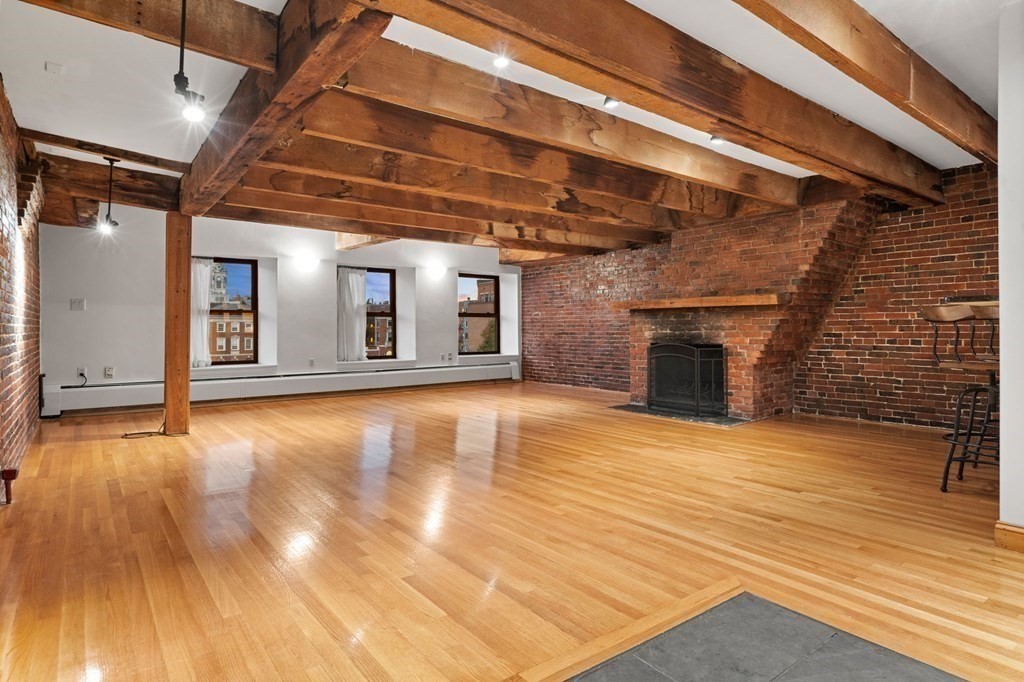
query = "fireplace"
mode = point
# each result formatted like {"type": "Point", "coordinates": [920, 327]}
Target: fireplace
{"type": "Point", "coordinates": [687, 379]}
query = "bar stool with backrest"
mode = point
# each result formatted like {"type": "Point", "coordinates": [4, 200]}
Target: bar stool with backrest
{"type": "Point", "coordinates": [975, 436]}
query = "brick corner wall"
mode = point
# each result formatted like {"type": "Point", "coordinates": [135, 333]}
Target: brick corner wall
{"type": "Point", "coordinates": [19, 295]}
{"type": "Point", "coordinates": [871, 358]}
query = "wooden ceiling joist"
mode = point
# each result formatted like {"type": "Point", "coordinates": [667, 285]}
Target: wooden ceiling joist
{"type": "Point", "coordinates": [331, 159]}
{"type": "Point", "coordinates": [291, 203]}
{"type": "Point", "coordinates": [667, 72]}
{"type": "Point", "coordinates": [319, 222]}
{"type": "Point", "coordinates": [319, 41]}
{"type": "Point", "coordinates": [225, 29]}
{"type": "Point", "coordinates": [844, 34]}
{"type": "Point", "coordinates": [81, 179]}
{"type": "Point", "coordinates": [418, 80]}
{"type": "Point", "coordinates": [273, 181]}
{"type": "Point", "coordinates": [103, 150]}
{"type": "Point", "coordinates": [350, 118]}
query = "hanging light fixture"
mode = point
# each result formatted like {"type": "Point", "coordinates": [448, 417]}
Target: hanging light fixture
{"type": "Point", "coordinates": [193, 111]}
{"type": "Point", "coordinates": [107, 224]}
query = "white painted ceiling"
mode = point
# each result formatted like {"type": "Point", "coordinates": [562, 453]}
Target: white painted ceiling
{"type": "Point", "coordinates": [116, 87]}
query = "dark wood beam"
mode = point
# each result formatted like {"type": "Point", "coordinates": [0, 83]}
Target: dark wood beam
{"type": "Point", "coordinates": [177, 324]}
{"type": "Point", "coordinates": [89, 181]}
{"type": "Point", "coordinates": [350, 118]}
{"type": "Point", "coordinates": [103, 150]}
{"type": "Point", "coordinates": [401, 75]}
{"type": "Point", "coordinates": [845, 35]}
{"type": "Point", "coordinates": [319, 41]}
{"type": "Point", "coordinates": [225, 29]}
{"type": "Point", "coordinates": [327, 158]}
{"type": "Point", "coordinates": [290, 203]}
{"type": "Point", "coordinates": [269, 180]}
{"type": "Point", "coordinates": [318, 222]}
{"type": "Point", "coordinates": [664, 71]}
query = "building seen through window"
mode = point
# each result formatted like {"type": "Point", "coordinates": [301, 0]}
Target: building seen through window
{"type": "Point", "coordinates": [479, 320]}
{"type": "Point", "coordinates": [233, 311]}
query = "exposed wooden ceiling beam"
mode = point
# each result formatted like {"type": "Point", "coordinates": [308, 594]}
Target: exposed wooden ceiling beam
{"type": "Point", "coordinates": [269, 180]}
{"type": "Point", "coordinates": [291, 203]}
{"type": "Point", "coordinates": [418, 80]}
{"type": "Point", "coordinates": [350, 118]}
{"type": "Point", "coordinates": [104, 150]}
{"type": "Point", "coordinates": [311, 155]}
{"type": "Point", "coordinates": [350, 242]}
{"type": "Point", "coordinates": [225, 29]}
{"type": "Point", "coordinates": [667, 72]}
{"type": "Point", "coordinates": [318, 222]}
{"type": "Point", "coordinates": [513, 256]}
{"type": "Point", "coordinates": [844, 34]}
{"type": "Point", "coordinates": [89, 181]}
{"type": "Point", "coordinates": [319, 41]}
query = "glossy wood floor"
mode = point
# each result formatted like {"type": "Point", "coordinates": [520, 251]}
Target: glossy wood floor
{"type": "Point", "coordinates": [476, 532]}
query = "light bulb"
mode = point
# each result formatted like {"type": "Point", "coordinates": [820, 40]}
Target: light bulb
{"type": "Point", "coordinates": [105, 226]}
{"type": "Point", "coordinates": [193, 112]}
{"type": "Point", "coordinates": [502, 62]}
{"type": "Point", "coordinates": [610, 102]}
{"type": "Point", "coordinates": [716, 140]}
{"type": "Point", "coordinates": [307, 262]}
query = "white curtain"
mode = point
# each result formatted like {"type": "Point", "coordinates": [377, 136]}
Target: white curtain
{"type": "Point", "coordinates": [202, 269]}
{"type": "Point", "coordinates": [351, 314]}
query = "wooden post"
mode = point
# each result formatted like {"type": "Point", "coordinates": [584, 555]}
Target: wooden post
{"type": "Point", "coordinates": [177, 321]}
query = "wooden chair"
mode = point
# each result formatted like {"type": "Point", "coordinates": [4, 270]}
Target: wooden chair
{"type": "Point", "coordinates": [975, 436]}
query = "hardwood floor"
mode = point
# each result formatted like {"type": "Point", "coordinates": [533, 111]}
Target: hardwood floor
{"type": "Point", "coordinates": [476, 533]}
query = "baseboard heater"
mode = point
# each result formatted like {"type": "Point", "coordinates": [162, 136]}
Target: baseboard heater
{"type": "Point", "coordinates": [62, 398]}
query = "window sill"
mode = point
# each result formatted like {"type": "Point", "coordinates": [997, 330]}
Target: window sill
{"type": "Point", "coordinates": [373, 365]}
{"type": "Point", "coordinates": [487, 359]}
{"type": "Point", "coordinates": [232, 371]}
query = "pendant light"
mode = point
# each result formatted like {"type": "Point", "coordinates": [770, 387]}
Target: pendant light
{"type": "Point", "coordinates": [193, 111]}
{"type": "Point", "coordinates": [107, 224]}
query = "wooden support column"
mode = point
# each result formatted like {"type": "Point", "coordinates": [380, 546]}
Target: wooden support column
{"type": "Point", "coordinates": [177, 322]}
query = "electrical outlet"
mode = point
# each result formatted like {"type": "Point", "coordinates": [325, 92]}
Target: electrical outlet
{"type": "Point", "coordinates": [83, 372]}
{"type": "Point", "coordinates": [442, 357]}
{"type": "Point", "coordinates": [78, 305]}
{"type": "Point", "coordinates": [108, 372]}
{"type": "Point", "coordinates": [449, 357]}
{"type": "Point", "coordinates": [312, 362]}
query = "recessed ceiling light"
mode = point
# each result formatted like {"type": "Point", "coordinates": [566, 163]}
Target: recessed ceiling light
{"type": "Point", "coordinates": [502, 62]}
{"type": "Point", "coordinates": [610, 102]}
{"type": "Point", "coordinates": [716, 140]}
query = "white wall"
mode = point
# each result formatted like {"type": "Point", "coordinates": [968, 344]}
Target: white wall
{"type": "Point", "coordinates": [1011, 253]}
{"type": "Point", "coordinates": [121, 278]}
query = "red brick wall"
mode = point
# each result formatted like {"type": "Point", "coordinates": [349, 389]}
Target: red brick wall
{"type": "Point", "coordinates": [572, 335]}
{"type": "Point", "coordinates": [19, 302]}
{"type": "Point", "coordinates": [872, 359]}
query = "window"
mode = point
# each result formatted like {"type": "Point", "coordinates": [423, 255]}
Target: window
{"type": "Point", "coordinates": [479, 330]}
{"type": "Point", "coordinates": [380, 314]}
{"type": "Point", "coordinates": [233, 305]}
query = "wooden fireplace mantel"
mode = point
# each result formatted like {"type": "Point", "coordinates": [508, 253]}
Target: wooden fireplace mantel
{"type": "Point", "coordinates": [704, 302]}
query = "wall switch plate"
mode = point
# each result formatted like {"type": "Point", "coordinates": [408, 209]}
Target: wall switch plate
{"type": "Point", "coordinates": [108, 372]}
{"type": "Point", "coordinates": [442, 357]}
{"type": "Point", "coordinates": [78, 304]}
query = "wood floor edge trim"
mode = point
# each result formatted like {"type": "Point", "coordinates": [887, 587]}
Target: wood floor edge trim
{"type": "Point", "coordinates": [1009, 536]}
{"type": "Point", "coordinates": [625, 638]}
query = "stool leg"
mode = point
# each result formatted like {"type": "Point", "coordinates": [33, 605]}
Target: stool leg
{"type": "Point", "coordinates": [949, 463]}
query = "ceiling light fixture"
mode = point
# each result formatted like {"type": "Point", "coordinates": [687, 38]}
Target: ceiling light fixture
{"type": "Point", "coordinates": [193, 111]}
{"type": "Point", "coordinates": [716, 140]}
{"type": "Point", "coordinates": [611, 102]}
{"type": "Point", "coordinates": [107, 224]}
{"type": "Point", "coordinates": [502, 62]}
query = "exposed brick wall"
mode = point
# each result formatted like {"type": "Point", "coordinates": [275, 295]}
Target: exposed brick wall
{"type": "Point", "coordinates": [19, 298]}
{"type": "Point", "coordinates": [872, 359]}
{"type": "Point", "coordinates": [572, 335]}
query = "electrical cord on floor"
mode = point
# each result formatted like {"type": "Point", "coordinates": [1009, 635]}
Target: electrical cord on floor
{"type": "Point", "coordinates": [162, 431]}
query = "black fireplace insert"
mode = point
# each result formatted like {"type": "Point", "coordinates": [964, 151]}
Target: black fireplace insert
{"type": "Point", "coordinates": [687, 379]}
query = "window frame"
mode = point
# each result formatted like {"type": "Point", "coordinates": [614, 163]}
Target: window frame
{"type": "Point", "coordinates": [393, 283]}
{"type": "Point", "coordinates": [255, 265]}
{"type": "Point", "coordinates": [496, 315]}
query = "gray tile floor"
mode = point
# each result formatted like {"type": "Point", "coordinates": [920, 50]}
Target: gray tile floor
{"type": "Point", "coordinates": [749, 638]}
